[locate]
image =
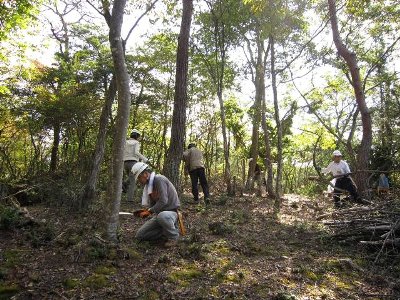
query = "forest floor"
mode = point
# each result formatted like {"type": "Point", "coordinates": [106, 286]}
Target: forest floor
{"type": "Point", "coordinates": [234, 249]}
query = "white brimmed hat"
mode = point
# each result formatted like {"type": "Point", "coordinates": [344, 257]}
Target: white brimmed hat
{"type": "Point", "coordinates": [138, 168]}
{"type": "Point", "coordinates": [337, 153]}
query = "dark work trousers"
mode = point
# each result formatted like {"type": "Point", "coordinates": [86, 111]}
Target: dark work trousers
{"type": "Point", "coordinates": [195, 176]}
{"type": "Point", "coordinates": [345, 183]}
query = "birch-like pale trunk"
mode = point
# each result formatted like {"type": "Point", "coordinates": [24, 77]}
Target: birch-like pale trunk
{"type": "Point", "coordinates": [114, 22]}
{"type": "Point", "coordinates": [278, 181]}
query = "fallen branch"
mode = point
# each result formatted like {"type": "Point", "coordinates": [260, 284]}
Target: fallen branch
{"type": "Point", "coordinates": [347, 210]}
{"type": "Point", "coordinates": [392, 230]}
{"type": "Point", "coordinates": [19, 192]}
{"type": "Point", "coordinates": [396, 242]}
{"type": "Point", "coordinates": [386, 242]}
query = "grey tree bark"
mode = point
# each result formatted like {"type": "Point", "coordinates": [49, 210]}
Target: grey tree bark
{"type": "Point", "coordinates": [260, 112]}
{"type": "Point", "coordinates": [278, 181]}
{"type": "Point", "coordinates": [267, 142]}
{"type": "Point", "coordinates": [217, 74]}
{"type": "Point", "coordinates": [114, 21]}
{"type": "Point", "coordinates": [178, 129]}
{"type": "Point", "coordinates": [259, 74]}
{"type": "Point", "coordinates": [90, 186]}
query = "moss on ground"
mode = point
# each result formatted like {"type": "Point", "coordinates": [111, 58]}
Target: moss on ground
{"type": "Point", "coordinates": [7, 290]}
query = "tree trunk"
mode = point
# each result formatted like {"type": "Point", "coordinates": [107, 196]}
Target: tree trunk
{"type": "Point", "coordinates": [163, 153]}
{"type": "Point", "coordinates": [259, 79]}
{"type": "Point", "coordinates": [351, 61]}
{"type": "Point", "coordinates": [54, 147]}
{"type": "Point", "coordinates": [227, 170]}
{"type": "Point", "coordinates": [175, 150]}
{"type": "Point", "coordinates": [278, 182]}
{"type": "Point", "coordinates": [122, 119]}
{"type": "Point", "coordinates": [90, 187]}
{"type": "Point", "coordinates": [267, 142]}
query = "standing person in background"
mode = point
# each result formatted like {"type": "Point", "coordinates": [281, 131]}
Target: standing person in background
{"type": "Point", "coordinates": [341, 171]}
{"type": "Point", "coordinates": [131, 156]}
{"type": "Point", "coordinates": [194, 164]}
{"type": "Point", "coordinates": [383, 183]}
{"type": "Point", "coordinates": [257, 175]}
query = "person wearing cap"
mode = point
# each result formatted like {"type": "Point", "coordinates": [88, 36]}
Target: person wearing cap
{"type": "Point", "coordinates": [161, 201]}
{"type": "Point", "coordinates": [194, 164]}
{"type": "Point", "coordinates": [131, 156]}
{"type": "Point", "coordinates": [341, 173]}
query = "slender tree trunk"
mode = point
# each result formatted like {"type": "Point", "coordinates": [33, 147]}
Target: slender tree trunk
{"type": "Point", "coordinates": [175, 150]}
{"type": "Point", "coordinates": [260, 71]}
{"type": "Point", "coordinates": [90, 187]}
{"type": "Point", "coordinates": [267, 142]}
{"type": "Point", "coordinates": [115, 21]}
{"type": "Point", "coordinates": [54, 147]}
{"type": "Point", "coordinates": [278, 182]}
{"type": "Point", "coordinates": [227, 171]}
{"type": "Point", "coordinates": [351, 61]}
{"type": "Point", "coordinates": [165, 124]}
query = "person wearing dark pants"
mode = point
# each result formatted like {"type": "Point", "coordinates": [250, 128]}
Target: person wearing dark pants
{"type": "Point", "coordinates": [341, 171]}
{"type": "Point", "coordinates": [345, 183]}
{"type": "Point", "coordinates": [194, 165]}
{"type": "Point", "coordinates": [197, 175]}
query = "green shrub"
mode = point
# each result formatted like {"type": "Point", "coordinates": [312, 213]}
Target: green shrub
{"type": "Point", "coordinates": [41, 235]}
{"type": "Point", "coordinates": [3, 273]}
{"type": "Point", "coordinates": [11, 258]}
{"type": "Point", "coordinates": [96, 281]}
{"type": "Point", "coordinates": [71, 283]}
{"type": "Point", "coordinates": [98, 250]}
{"type": "Point", "coordinates": [9, 217]}
{"type": "Point", "coordinates": [220, 228]}
{"type": "Point", "coordinates": [240, 217]}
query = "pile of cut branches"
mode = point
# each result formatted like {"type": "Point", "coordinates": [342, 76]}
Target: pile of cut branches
{"type": "Point", "coordinates": [376, 225]}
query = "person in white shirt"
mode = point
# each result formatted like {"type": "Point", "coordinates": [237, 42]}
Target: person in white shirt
{"type": "Point", "coordinates": [194, 165]}
{"type": "Point", "coordinates": [341, 172]}
{"type": "Point", "coordinates": [131, 156]}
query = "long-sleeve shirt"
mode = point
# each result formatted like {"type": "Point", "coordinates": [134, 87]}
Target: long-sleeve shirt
{"type": "Point", "coordinates": [337, 169]}
{"type": "Point", "coordinates": [132, 151]}
{"type": "Point", "coordinates": [164, 196]}
{"type": "Point", "coordinates": [193, 158]}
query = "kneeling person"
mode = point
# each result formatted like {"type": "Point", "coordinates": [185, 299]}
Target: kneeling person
{"type": "Point", "coordinates": [161, 198]}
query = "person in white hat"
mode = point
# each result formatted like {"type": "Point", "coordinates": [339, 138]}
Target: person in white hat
{"type": "Point", "coordinates": [342, 180]}
{"type": "Point", "coordinates": [131, 156]}
{"type": "Point", "coordinates": [161, 201]}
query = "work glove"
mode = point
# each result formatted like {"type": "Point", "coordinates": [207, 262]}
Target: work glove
{"type": "Point", "coordinates": [137, 213]}
{"type": "Point", "coordinates": [145, 213]}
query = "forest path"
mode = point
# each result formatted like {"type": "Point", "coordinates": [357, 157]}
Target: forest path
{"type": "Point", "coordinates": [234, 249]}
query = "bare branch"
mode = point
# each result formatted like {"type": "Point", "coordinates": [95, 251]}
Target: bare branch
{"type": "Point", "coordinates": [95, 8]}
{"type": "Point", "coordinates": [149, 7]}
{"type": "Point", "coordinates": [381, 58]}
